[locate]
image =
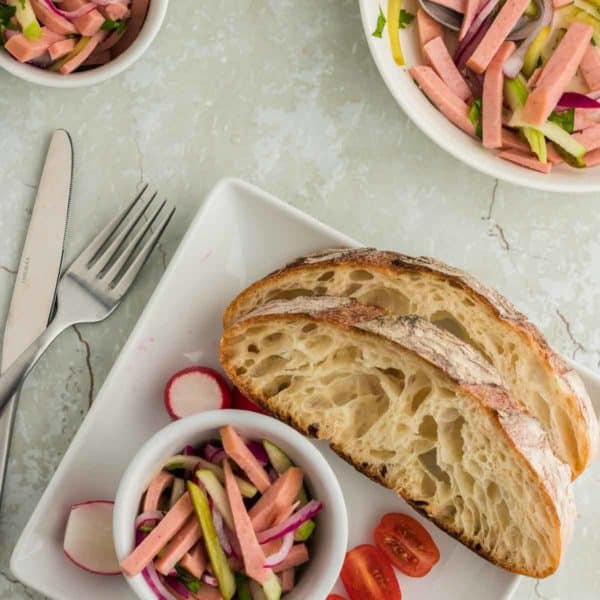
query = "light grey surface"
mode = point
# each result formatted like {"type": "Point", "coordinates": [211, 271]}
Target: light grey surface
{"type": "Point", "coordinates": [285, 95]}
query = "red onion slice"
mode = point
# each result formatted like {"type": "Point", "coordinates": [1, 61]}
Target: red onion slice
{"type": "Point", "coordinates": [259, 452]}
{"type": "Point", "coordinates": [174, 584]}
{"type": "Point", "coordinates": [514, 63]}
{"type": "Point", "coordinates": [70, 14]}
{"type": "Point", "coordinates": [576, 100]}
{"type": "Point", "coordinates": [308, 511]}
{"type": "Point", "coordinates": [475, 30]}
{"type": "Point", "coordinates": [152, 515]}
{"type": "Point", "coordinates": [213, 453]}
{"type": "Point", "coordinates": [156, 585]}
{"type": "Point", "coordinates": [281, 554]}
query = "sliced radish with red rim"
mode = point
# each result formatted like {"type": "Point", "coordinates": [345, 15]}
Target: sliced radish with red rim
{"type": "Point", "coordinates": [88, 541]}
{"type": "Point", "coordinates": [195, 390]}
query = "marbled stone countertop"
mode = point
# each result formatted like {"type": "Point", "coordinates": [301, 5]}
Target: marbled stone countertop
{"type": "Point", "coordinates": [284, 94]}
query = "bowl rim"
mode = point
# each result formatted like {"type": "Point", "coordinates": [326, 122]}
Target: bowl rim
{"type": "Point", "coordinates": [497, 168]}
{"type": "Point", "coordinates": [155, 17]}
{"type": "Point", "coordinates": [179, 432]}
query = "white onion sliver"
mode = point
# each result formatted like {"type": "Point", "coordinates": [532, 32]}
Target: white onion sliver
{"type": "Point", "coordinates": [220, 528]}
{"type": "Point", "coordinates": [210, 580]}
{"type": "Point", "coordinates": [152, 578]}
{"type": "Point", "coordinates": [514, 64]}
{"type": "Point", "coordinates": [152, 515]}
{"type": "Point", "coordinates": [281, 554]}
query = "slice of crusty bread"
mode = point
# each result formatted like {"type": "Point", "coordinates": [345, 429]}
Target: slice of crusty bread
{"type": "Point", "coordinates": [417, 410]}
{"type": "Point", "coordinates": [534, 374]}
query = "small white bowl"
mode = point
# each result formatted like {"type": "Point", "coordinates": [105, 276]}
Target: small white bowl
{"type": "Point", "coordinates": [157, 10]}
{"type": "Point", "coordinates": [330, 540]}
{"type": "Point", "coordinates": [441, 131]}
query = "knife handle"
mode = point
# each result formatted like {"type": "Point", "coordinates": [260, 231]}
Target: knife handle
{"type": "Point", "coordinates": [11, 379]}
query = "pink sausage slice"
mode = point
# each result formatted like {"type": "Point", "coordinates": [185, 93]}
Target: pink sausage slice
{"type": "Point", "coordinates": [440, 94]}
{"type": "Point", "coordinates": [90, 23]}
{"type": "Point", "coordinates": [297, 556]}
{"type": "Point", "coordinates": [590, 68]}
{"type": "Point", "coordinates": [53, 21]}
{"type": "Point", "coordinates": [158, 537]}
{"type": "Point", "coordinates": [455, 5]}
{"type": "Point", "coordinates": [589, 137]}
{"type": "Point", "coordinates": [592, 158]}
{"type": "Point", "coordinates": [235, 447]}
{"type": "Point", "coordinates": [506, 19]}
{"type": "Point", "coordinates": [139, 9]}
{"type": "Point", "coordinates": [288, 580]}
{"type": "Point", "coordinates": [471, 7]}
{"type": "Point", "coordinates": [115, 12]}
{"type": "Point", "coordinates": [512, 141]}
{"type": "Point", "coordinates": [491, 104]}
{"type": "Point", "coordinates": [25, 50]}
{"type": "Point", "coordinates": [281, 494]}
{"type": "Point", "coordinates": [438, 56]}
{"type": "Point", "coordinates": [428, 29]}
{"type": "Point", "coordinates": [82, 56]}
{"type": "Point", "coordinates": [195, 561]}
{"type": "Point", "coordinates": [254, 558]}
{"type": "Point", "coordinates": [535, 76]}
{"type": "Point", "coordinates": [525, 161]}
{"type": "Point", "coordinates": [185, 539]}
{"type": "Point", "coordinates": [60, 49]}
{"type": "Point", "coordinates": [582, 119]}
{"type": "Point", "coordinates": [553, 156]}
{"type": "Point", "coordinates": [155, 490]}
{"type": "Point", "coordinates": [558, 72]}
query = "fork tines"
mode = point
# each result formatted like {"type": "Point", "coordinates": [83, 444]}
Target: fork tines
{"type": "Point", "coordinates": [117, 253]}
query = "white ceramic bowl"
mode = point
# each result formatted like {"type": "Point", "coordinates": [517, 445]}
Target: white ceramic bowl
{"type": "Point", "coordinates": [157, 10]}
{"type": "Point", "coordinates": [328, 546]}
{"type": "Point", "coordinates": [460, 145]}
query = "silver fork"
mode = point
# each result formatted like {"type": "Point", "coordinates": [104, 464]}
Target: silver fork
{"type": "Point", "coordinates": [95, 283]}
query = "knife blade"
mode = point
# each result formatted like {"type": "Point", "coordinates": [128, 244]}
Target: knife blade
{"type": "Point", "coordinates": [39, 270]}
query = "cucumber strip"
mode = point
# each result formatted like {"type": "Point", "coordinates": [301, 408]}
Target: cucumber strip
{"type": "Point", "coordinates": [27, 19]}
{"type": "Point", "coordinates": [554, 133]}
{"type": "Point", "coordinates": [281, 463]}
{"type": "Point", "coordinates": [217, 557]}
{"type": "Point", "coordinates": [534, 52]}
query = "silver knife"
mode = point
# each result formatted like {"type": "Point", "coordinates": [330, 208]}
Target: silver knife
{"type": "Point", "coordinates": [39, 270]}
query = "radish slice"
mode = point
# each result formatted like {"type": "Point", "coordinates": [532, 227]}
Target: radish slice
{"type": "Point", "coordinates": [88, 539]}
{"type": "Point", "coordinates": [195, 390]}
{"type": "Point", "coordinates": [241, 402]}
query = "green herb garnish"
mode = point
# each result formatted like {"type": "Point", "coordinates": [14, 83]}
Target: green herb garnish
{"type": "Point", "coordinates": [406, 19]}
{"type": "Point", "coordinates": [6, 14]}
{"type": "Point", "coordinates": [475, 116]}
{"type": "Point", "coordinates": [564, 118]}
{"type": "Point", "coordinates": [146, 528]}
{"type": "Point", "coordinates": [380, 24]}
{"type": "Point", "coordinates": [191, 583]}
{"type": "Point", "coordinates": [118, 26]}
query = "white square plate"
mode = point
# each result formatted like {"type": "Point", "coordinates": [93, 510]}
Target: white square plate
{"type": "Point", "coordinates": [239, 235]}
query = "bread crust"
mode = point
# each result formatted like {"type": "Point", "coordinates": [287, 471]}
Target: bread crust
{"type": "Point", "coordinates": [472, 375]}
{"type": "Point", "coordinates": [393, 264]}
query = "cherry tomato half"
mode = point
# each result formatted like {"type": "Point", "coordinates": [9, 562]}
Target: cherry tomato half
{"type": "Point", "coordinates": [368, 575]}
{"type": "Point", "coordinates": [407, 544]}
{"type": "Point", "coordinates": [241, 402]}
{"type": "Point", "coordinates": [335, 597]}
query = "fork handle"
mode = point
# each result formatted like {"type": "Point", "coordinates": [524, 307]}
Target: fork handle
{"type": "Point", "coordinates": [12, 378]}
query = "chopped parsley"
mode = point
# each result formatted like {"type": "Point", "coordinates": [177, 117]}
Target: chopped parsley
{"type": "Point", "coordinates": [475, 116]}
{"type": "Point", "coordinates": [564, 118]}
{"type": "Point", "coordinates": [381, 21]}
{"type": "Point", "coordinates": [118, 26]}
{"type": "Point", "coordinates": [191, 583]}
{"type": "Point", "coordinates": [406, 19]}
{"type": "Point", "coordinates": [6, 14]}
{"type": "Point", "coordinates": [146, 528]}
